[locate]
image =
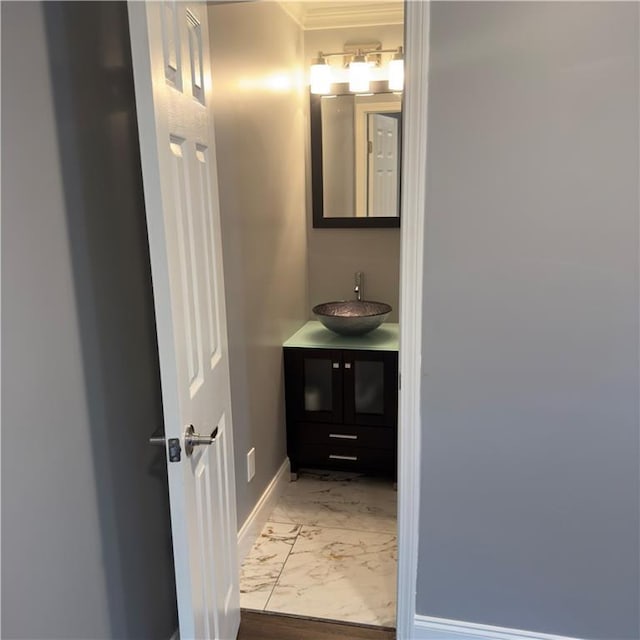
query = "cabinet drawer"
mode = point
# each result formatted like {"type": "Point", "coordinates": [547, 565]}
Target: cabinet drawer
{"type": "Point", "coordinates": [331, 434]}
{"type": "Point", "coordinates": [346, 457]}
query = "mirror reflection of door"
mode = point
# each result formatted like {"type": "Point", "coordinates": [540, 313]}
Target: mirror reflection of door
{"type": "Point", "coordinates": [377, 155]}
{"type": "Point", "coordinates": [382, 170]}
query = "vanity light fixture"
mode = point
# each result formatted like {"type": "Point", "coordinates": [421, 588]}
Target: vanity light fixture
{"type": "Point", "coordinates": [320, 76]}
{"type": "Point", "coordinates": [359, 74]}
{"type": "Point", "coordinates": [359, 68]}
{"type": "Point", "coordinates": [396, 71]}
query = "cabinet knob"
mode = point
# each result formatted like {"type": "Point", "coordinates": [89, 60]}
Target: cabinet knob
{"type": "Point", "coordinates": [336, 365]}
{"type": "Point", "coordinates": [347, 365]}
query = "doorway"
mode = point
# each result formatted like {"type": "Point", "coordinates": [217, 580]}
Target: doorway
{"type": "Point", "coordinates": [239, 92]}
{"type": "Point", "coordinates": [254, 140]}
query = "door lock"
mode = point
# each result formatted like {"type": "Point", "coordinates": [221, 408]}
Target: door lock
{"type": "Point", "coordinates": [174, 446]}
{"type": "Point", "coordinates": [174, 449]}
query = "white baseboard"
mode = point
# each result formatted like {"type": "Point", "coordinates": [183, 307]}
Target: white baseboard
{"type": "Point", "coordinates": [428, 628]}
{"type": "Point", "coordinates": [256, 520]}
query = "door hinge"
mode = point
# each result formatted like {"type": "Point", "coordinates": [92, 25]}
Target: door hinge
{"type": "Point", "coordinates": [399, 381]}
{"type": "Point", "coordinates": [370, 146]}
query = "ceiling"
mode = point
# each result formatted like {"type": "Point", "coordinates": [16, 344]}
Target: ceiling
{"type": "Point", "coordinates": [325, 14]}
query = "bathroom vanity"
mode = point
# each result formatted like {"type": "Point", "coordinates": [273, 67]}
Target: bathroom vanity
{"type": "Point", "coordinates": [342, 399]}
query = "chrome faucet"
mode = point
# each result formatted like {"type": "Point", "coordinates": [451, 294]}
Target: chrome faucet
{"type": "Point", "coordinates": [359, 277]}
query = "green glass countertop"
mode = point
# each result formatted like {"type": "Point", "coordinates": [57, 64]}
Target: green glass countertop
{"type": "Point", "coordinates": [315, 336]}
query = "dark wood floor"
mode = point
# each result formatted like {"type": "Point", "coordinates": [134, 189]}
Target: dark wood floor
{"type": "Point", "coordinates": [255, 625]}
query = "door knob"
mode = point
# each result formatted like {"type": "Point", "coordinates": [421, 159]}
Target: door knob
{"type": "Point", "coordinates": [193, 439]}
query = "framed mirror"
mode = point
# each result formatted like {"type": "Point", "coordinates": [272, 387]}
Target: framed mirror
{"type": "Point", "coordinates": [356, 149]}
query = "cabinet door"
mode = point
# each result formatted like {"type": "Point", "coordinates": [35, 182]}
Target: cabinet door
{"type": "Point", "coordinates": [314, 384]}
{"type": "Point", "coordinates": [370, 387]}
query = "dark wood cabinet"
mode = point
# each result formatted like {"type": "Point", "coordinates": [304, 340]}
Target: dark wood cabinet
{"type": "Point", "coordinates": [342, 407]}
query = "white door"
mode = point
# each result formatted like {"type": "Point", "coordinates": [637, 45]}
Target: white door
{"type": "Point", "coordinates": [383, 165]}
{"type": "Point", "coordinates": [171, 65]}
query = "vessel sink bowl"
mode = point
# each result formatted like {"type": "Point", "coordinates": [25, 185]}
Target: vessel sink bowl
{"type": "Point", "coordinates": [352, 317]}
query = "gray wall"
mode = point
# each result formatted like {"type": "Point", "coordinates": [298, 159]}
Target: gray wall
{"type": "Point", "coordinates": [260, 132]}
{"type": "Point", "coordinates": [336, 254]}
{"type": "Point", "coordinates": [85, 530]}
{"type": "Point", "coordinates": [530, 487]}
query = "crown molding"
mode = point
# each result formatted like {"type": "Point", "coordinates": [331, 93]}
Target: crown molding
{"type": "Point", "coordinates": [312, 16]}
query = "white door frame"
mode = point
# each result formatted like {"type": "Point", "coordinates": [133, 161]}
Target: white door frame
{"type": "Point", "coordinates": [414, 177]}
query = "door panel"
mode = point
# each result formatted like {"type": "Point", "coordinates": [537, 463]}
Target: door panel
{"type": "Point", "coordinates": [368, 378]}
{"type": "Point", "coordinates": [208, 240]}
{"type": "Point", "coordinates": [172, 80]}
{"type": "Point", "coordinates": [195, 57]}
{"type": "Point", "coordinates": [370, 388]}
{"type": "Point", "coordinates": [383, 167]}
{"type": "Point", "coordinates": [316, 393]}
{"type": "Point", "coordinates": [184, 228]}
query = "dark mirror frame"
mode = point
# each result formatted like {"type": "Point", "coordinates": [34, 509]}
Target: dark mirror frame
{"type": "Point", "coordinates": [319, 221]}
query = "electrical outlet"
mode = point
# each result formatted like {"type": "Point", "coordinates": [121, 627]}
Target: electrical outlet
{"type": "Point", "coordinates": [251, 464]}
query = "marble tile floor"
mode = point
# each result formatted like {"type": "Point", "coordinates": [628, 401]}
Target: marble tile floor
{"type": "Point", "coordinates": [328, 551]}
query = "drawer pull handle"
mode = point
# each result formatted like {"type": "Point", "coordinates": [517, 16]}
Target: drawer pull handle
{"type": "Point", "coordinates": [334, 457]}
{"type": "Point", "coordinates": [336, 365]}
{"type": "Point", "coordinates": [343, 436]}
{"type": "Point", "coordinates": [347, 365]}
